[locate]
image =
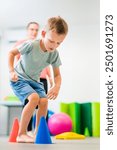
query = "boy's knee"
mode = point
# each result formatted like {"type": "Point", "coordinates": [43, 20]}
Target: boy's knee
{"type": "Point", "coordinates": [34, 99]}
{"type": "Point", "coordinates": [43, 101]}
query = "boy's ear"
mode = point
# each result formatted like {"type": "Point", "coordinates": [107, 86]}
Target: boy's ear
{"type": "Point", "coordinates": [43, 33]}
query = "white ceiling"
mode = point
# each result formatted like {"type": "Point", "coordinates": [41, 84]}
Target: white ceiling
{"type": "Point", "coordinates": [17, 13]}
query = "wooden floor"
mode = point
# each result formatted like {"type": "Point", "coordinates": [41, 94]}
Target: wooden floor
{"type": "Point", "coordinates": [90, 143]}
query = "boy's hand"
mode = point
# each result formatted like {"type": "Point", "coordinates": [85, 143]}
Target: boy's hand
{"type": "Point", "coordinates": [53, 93]}
{"type": "Point", "coordinates": [13, 76]}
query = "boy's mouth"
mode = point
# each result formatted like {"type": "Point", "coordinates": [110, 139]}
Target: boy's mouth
{"type": "Point", "coordinates": [51, 49]}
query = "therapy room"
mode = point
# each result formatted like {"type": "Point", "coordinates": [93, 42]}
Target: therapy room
{"type": "Point", "coordinates": [54, 48]}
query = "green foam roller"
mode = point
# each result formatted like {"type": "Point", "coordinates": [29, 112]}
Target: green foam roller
{"type": "Point", "coordinates": [74, 112]}
{"type": "Point", "coordinates": [96, 119]}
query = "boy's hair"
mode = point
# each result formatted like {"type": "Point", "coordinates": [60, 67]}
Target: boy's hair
{"type": "Point", "coordinates": [57, 23]}
{"type": "Point", "coordinates": [31, 23]}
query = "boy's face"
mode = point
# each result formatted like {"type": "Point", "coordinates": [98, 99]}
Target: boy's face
{"type": "Point", "coordinates": [32, 31]}
{"type": "Point", "coordinates": [51, 40]}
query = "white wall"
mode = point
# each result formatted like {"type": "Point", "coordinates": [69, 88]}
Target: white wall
{"type": "Point", "coordinates": [79, 53]}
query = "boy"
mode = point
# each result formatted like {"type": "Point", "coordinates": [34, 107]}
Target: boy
{"type": "Point", "coordinates": [36, 55]}
{"type": "Point", "coordinates": [32, 33]}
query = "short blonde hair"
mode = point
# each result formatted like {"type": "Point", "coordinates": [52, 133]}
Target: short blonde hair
{"type": "Point", "coordinates": [57, 23]}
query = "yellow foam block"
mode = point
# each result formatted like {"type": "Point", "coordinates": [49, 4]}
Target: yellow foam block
{"type": "Point", "coordinates": [69, 135]}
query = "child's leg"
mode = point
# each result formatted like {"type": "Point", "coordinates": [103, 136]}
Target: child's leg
{"type": "Point", "coordinates": [42, 111]}
{"type": "Point", "coordinates": [26, 116]}
{"type": "Point", "coordinates": [29, 128]}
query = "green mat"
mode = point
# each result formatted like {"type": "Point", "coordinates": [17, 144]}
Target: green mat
{"type": "Point", "coordinates": [64, 107]}
{"type": "Point", "coordinates": [86, 118]}
{"type": "Point", "coordinates": [75, 113]}
{"type": "Point", "coordinates": [96, 119]}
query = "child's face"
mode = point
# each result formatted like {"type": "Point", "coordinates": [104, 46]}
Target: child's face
{"type": "Point", "coordinates": [51, 40]}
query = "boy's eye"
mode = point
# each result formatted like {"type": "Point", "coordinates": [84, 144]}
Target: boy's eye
{"type": "Point", "coordinates": [58, 43]}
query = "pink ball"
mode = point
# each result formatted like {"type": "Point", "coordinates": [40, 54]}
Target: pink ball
{"type": "Point", "coordinates": [59, 123]}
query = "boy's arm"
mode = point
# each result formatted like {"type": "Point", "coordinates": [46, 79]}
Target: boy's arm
{"type": "Point", "coordinates": [11, 56]}
{"type": "Point", "coordinates": [53, 93]}
{"type": "Point", "coordinates": [49, 74]}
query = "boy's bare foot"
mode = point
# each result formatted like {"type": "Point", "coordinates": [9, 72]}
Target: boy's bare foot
{"type": "Point", "coordinates": [30, 133]}
{"type": "Point", "coordinates": [24, 139]}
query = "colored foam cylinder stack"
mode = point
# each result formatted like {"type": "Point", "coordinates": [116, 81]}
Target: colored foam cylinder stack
{"type": "Point", "coordinates": [43, 135]}
{"type": "Point", "coordinates": [75, 113]}
{"type": "Point", "coordinates": [96, 119]}
{"type": "Point", "coordinates": [86, 118]}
